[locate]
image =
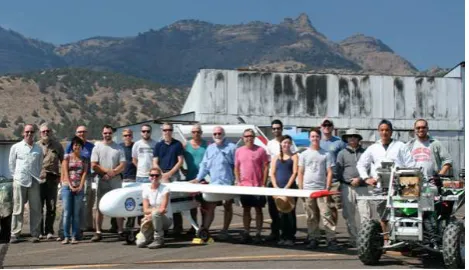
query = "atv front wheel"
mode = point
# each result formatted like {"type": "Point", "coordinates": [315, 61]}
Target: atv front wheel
{"type": "Point", "coordinates": [370, 242]}
{"type": "Point", "coordinates": [453, 245]}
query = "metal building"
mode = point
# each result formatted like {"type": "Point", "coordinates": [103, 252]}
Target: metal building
{"type": "Point", "coordinates": [359, 101]}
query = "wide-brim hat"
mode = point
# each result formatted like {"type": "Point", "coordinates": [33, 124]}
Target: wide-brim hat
{"type": "Point", "coordinates": [284, 204]}
{"type": "Point", "coordinates": [351, 132]}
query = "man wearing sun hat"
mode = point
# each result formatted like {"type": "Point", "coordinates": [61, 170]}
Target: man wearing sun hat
{"type": "Point", "coordinates": [351, 183]}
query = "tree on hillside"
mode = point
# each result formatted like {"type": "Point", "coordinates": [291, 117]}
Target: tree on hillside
{"type": "Point", "coordinates": [19, 120]}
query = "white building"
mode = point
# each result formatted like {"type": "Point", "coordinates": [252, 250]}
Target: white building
{"type": "Point", "coordinates": [359, 101]}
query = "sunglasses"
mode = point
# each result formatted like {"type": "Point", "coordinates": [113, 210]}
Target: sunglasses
{"type": "Point", "coordinates": [127, 135]}
{"type": "Point", "coordinates": [167, 130]}
{"type": "Point", "coordinates": [420, 127]}
{"type": "Point", "coordinates": [276, 128]}
{"type": "Point", "coordinates": [27, 131]}
{"type": "Point", "coordinates": [81, 131]}
{"type": "Point", "coordinates": [146, 131]}
{"type": "Point", "coordinates": [107, 133]}
{"type": "Point", "coordinates": [248, 136]}
{"type": "Point", "coordinates": [217, 134]}
{"type": "Point", "coordinates": [45, 131]}
{"type": "Point", "coordinates": [155, 175]}
{"type": "Point", "coordinates": [327, 125]}
{"type": "Point", "coordinates": [196, 132]}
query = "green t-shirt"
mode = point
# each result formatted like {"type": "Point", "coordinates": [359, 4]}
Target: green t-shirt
{"type": "Point", "coordinates": [193, 158]}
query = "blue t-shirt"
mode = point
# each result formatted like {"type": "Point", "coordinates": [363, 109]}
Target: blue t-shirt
{"type": "Point", "coordinates": [168, 154]}
{"type": "Point", "coordinates": [130, 170]}
{"type": "Point", "coordinates": [334, 145]}
{"type": "Point", "coordinates": [85, 153]}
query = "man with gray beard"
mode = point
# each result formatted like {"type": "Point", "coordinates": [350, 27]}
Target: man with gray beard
{"type": "Point", "coordinates": [53, 157]}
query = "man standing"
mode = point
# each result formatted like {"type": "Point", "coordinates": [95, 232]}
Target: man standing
{"type": "Point", "coordinates": [431, 155]}
{"type": "Point", "coordinates": [315, 173]}
{"type": "Point", "coordinates": [384, 149]}
{"type": "Point", "coordinates": [351, 183]}
{"type": "Point", "coordinates": [218, 162]}
{"type": "Point", "coordinates": [251, 170]}
{"type": "Point", "coordinates": [428, 152]}
{"type": "Point", "coordinates": [194, 151]}
{"type": "Point", "coordinates": [333, 145]}
{"type": "Point", "coordinates": [108, 161]}
{"type": "Point", "coordinates": [168, 155]}
{"type": "Point", "coordinates": [25, 163]}
{"type": "Point", "coordinates": [273, 150]}
{"type": "Point", "coordinates": [130, 170]}
{"type": "Point", "coordinates": [142, 154]}
{"type": "Point", "coordinates": [53, 157]}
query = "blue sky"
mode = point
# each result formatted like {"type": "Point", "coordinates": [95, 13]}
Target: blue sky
{"type": "Point", "coordinates": [425, 32]}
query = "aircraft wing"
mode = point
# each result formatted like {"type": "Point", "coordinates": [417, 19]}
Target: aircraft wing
{"type": "Point", "coordinates": [238, 190]}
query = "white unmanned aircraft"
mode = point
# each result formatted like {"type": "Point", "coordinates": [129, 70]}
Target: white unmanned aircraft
{"type": "Point", "coordinates": [127, 201]}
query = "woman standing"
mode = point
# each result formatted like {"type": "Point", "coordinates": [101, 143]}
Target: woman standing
{"type": "Point", "coordinates": [74, 169]}
{"type": "Point", "coordinates": [283, 175]}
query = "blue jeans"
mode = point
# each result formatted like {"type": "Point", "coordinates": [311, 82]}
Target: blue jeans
{"type": "Point", "coordinates": [72, 204]}
{"type": "Point", "coordinates": [142, 180]}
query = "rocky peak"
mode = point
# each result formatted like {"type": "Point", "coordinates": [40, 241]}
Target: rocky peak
{"type": "Point", "coordinates": [366, 43]}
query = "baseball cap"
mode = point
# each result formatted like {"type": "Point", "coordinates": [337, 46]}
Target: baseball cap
{"type": "Point", "coordinates": [326, 120]}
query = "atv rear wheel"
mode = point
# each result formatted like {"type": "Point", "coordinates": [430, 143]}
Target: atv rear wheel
{"type": "Point", "coordinates": [370, 242]}
{"type": "Point", "coordinates": [453, 245]}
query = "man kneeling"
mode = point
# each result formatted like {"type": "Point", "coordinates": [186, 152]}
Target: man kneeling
{"type": "Point", "coordinates": [157, 208]}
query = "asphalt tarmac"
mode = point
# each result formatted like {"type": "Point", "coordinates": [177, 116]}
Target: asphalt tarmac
{"type": "Point", "coordinates": [179, 252]}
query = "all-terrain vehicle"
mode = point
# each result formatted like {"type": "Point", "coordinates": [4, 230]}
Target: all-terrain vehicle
{"type": "Point", "coordinates": [410, 204]}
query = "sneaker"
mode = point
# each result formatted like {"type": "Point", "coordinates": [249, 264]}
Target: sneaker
{"type": "Point", "coordinates": [65, 241]}
{"type": "Point", "coordinates": [258, 239]}
{"type": "Point", "coordinates": [14, 239]}
{"type": "Point", "coordinates": [288, 243]}
{"type": "Point", "coordinates": [58, 239]}
{"type": "Point", "coordinates": [158, 243]}
{"type": "Point", "coordinates": [332, 245]}
{"type": "Point", "coordinates": [74, 241]}
{"type": "Point", "coordinates": [49, 236]}
{"type": "Point", "coordinates": [35, 239]}
{"type": "Point", "coordinates": [281, 242]}
{"type": "Point", "coordinates": [96, 237]}
{"type": "Point", "coordinates": [272, 238]}
{"type": "Point", "coordinates": [41, 236]}
{"type": "Point", "coordinates": [313, 244]}
{"type": "Point", "coordinates": [245, 238]}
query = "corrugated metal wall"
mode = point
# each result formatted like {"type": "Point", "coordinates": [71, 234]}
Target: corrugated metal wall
{"type": "Point", "coordinates": [359, 101]}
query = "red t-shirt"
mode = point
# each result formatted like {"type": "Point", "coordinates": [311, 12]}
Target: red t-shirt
{"type": "Point", "coordinates": [250, 162]}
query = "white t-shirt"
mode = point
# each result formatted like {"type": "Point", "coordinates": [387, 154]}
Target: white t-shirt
{"type": "Point", "coordinates": [155, 198]}
{"type": "Point", "coordinates": [315, 163]}
{"type": "Point", "coordinates": [143, 152]}
{"type": "Point", "coordinates": [422, 155]}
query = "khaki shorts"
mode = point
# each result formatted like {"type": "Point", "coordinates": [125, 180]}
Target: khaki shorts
{"type": "Point", "coordinates": [104, 186]}
{"type": "Point", "coordinates": [335, 201]}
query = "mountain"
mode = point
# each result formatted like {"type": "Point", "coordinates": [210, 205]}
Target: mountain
{"type": "Point", "coordinates": [19, 54]}
{"type": "Point", "coordinates": [174, 53]}
{"type": "Point", "coordinates": [67, 97]}
{"type": "Point", "coordinates": [375, 56]}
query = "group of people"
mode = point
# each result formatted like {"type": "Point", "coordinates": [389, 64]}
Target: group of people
{"type": "Point", "coordinates": [329, 163]}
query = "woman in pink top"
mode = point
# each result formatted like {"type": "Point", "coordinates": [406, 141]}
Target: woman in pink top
{"type": "Point", "coordinates": [74, 170]}
{"type": "Point", "coordinates": [251, 169]}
